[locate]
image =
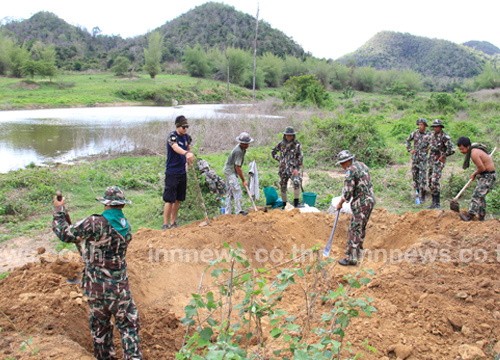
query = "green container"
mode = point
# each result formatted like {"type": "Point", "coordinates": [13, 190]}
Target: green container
{"type": "Point", "coordinates": [309, 198]}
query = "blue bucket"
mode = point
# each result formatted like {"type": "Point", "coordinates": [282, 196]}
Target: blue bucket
{"type": "Point", "coordinates": [309, 198]}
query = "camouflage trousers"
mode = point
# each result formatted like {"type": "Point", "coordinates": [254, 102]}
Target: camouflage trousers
{"type": "Point", "coordinates": [296, 181]}
{"type": "Point", "coordinates": [435, 173]}
{"type": "Point", "coordinates": [419, 172]}
{"type": "Point", "coordinates": [233, 192]}
{"type": "Point", "coordinates": [357, 230]}
{"type": "Point", "coordinates": [478, 202]}
{"type": "Point", "coordinates": [127, 323]}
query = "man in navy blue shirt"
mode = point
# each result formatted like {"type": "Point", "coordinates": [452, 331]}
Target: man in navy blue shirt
{"type": "Point", "coordinates": [178, 156]}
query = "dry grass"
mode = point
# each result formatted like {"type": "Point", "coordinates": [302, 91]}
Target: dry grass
{"type": "Point", "coordinates": [486, 94]}
{"type": "Point", "coordinates": [264, 121]}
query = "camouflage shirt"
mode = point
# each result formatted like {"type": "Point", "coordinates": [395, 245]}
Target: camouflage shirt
{"type": "Point", "coordinates": [104, 250]}
{"type": "Point", "coordinates": [358, 185]}
{"type": "Point", "coordinates": [290, 155]}
{"type": "Point", "coordinates": [420, 141]}
{"type": "Point", "coordinates": [440, 144]}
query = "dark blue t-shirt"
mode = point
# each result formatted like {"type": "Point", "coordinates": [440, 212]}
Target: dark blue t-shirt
{"type": "Point", "coordinates": [176, 163]}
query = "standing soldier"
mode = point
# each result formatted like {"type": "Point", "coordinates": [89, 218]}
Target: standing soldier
{"type": "Point", "coordinates": [104, 239]}
{"type": "Point", "coordinates": [440, 148]}
{"type": "Point", "coordinates": [358, 187]}
{"type": "Point", "coordinates": [485, 174]}
{"type": "Point", "coordinates": [232, 169]}
{"type": "Point", "coordinates": [420, 138]}
{"type": "Point", "coordinates": [290, 159]}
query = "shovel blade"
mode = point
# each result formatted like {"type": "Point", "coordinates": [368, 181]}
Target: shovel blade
{"type": "Point", "coordinates": [454, 206]}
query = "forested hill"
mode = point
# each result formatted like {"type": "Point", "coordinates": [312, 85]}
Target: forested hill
{"type": "Point", "coordinates": [211, 25]}
{"type": "Point", "coordinates": [431, 57]}
{"type": "Point", "coordinates": [50, 29]}
{"type": "Point", "coordinates": [484, 46]}
{"type": "Point", "coordinates": [219, 25]}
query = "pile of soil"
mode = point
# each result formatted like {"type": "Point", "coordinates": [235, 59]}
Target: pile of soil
{"type": "Point", "coordinates": [436, 285]}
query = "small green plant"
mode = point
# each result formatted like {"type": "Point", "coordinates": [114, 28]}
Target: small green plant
{"type": "Point", "coordinates": [348, 92]}
{"type": "Point", "coordinates": [26, 343]}
{"type": "Point", "coordinates": [224, 330]}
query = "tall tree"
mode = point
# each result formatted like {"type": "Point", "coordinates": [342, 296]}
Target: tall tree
{"type": "Point", "coordinates": [152, 55]}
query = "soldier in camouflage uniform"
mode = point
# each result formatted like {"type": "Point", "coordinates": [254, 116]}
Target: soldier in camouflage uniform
{"type": "Point", "coordinates": [232, 169]}
{"type": "Point", "coordinates": [290, 158]}
{"type": "Point", "coordinates": [215, 183]}
{"type": "Point", "coordinates": [441, 147]}
{"type": "Point", "coordinates": [485, 175]}
{"type": "Point", "coordinates": [420, 138]}
{"type": "Point", "coordinates": [104, 239]}
{"type": "Point", "coordinates": [358, 187]}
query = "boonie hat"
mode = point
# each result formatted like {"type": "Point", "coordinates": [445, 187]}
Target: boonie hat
{"type": "Point", "coordinates": [343, 156]}
{"type": "Point", "coordinates": [437, 122]}
{"type": "Point", "coordinates": [289, 131]}
{"type": "Point", "coordinates": [244, 138]}
{"type": "Point", "coordinates": [114, 196]}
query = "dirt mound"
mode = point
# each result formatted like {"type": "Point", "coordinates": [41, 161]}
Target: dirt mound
{"type": "Point", "coordinates": [436, 286]}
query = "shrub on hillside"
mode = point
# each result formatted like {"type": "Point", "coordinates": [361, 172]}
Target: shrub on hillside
{"type": "Point", "coordinates": [358, 134]}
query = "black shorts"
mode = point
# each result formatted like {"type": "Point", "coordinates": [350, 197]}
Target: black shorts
{"type": "Point", "coordinates": [175, 188]}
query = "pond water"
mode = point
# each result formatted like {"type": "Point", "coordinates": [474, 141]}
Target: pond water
{"type": "Point", "coordinates": [60, 135]}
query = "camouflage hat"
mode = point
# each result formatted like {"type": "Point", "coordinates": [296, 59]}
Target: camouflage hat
{"type": "Point", "coordinates": [289, 131]}
{"type": "Point", "coordinates": [114, 196]}
{"type": "Point", "coordinates": [343, 156]}
{"type": "Point", "coordinates": [422, 121]}
{"type": "Point", "coordinates": [437, 122]}
{"type": "Point", "coordinates": [244, 138]}
{"type": "Point", "coordinates": [202, 165]}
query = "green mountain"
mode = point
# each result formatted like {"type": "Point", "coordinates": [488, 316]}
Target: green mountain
{"type": "Point", "coordinates": [218, 25]}
{"type": "Point", "coordinates": [484, 46]}
{"type": "Point", "coordinates": [211, 25]}
{"type": "Point", "coordinates": [431, 57]}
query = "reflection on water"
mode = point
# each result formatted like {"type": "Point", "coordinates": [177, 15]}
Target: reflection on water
{"type": "Point", "coordinates": [41, 136]}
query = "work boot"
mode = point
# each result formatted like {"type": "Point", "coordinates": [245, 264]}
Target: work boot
{"type": "Point", "coordinates": [295, 202]}
{"type": "Point", "coordinates": [175, 224]}
{"type": "Point", "coordinates": [422, 196]}
{"type": "Point", "coordinates": [284, 205]}
{"type": "Point", "coordinates": [465, 217]}
{"type": "Point", "coordinates": [165, 227]}
{"type": "Point", "coordinates": [347, 262]}
{"type": "Point", "coordinates": [437, 204]}
{"type": "Point", "coordinates": [243, 212]}
{"type": "Point", "coordinates": [433, 203]}
{"type": "Point", "coordinates": [481, 217]}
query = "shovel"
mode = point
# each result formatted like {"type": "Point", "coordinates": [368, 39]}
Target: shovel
{"type": "Point", "coordinates": [251, 199]}
{"type": "Point", "coordinates": [206, 222]}
{"type": "Point", "coordinates": [454, 205]}
{"type": "Point", "coordinates": [328, 247]}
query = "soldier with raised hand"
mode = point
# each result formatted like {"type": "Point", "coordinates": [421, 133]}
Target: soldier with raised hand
{"type": "Point", "coordinates": [290, 158]}
{"type": "Point", "coordinates": [104, 240]}
{"type": "Point", "coordinates": [420, 138]}
{"type": "Point", "coordinates": [485, 174]}
{"type": "Point", "coordinates": [232, 169]}
{"type": "Point", "coordinates": [441, 147]}
{"type": "Point", "coordinates": [358, 189]}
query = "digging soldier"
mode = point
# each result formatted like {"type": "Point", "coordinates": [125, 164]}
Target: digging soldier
{"type": "Point", "coordinates": [485, 174]}
{"type": "Point", "coordinates": [215, 183]}
{"type": "Point", "coordinates": [441, 147]}
{"type": "Point", "coordinates": [420, 138]}
{"type": "Point", "coordinates": [358, 189]}
{"type": "Point", "coordinates": [290, 158]}
{"type": "Point", "coordinates": [232, 169]}
{"type": "Point", "coordinates": [104, 240]}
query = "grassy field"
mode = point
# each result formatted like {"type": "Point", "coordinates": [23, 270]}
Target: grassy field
{"type": "Point", "coordinates": [97, 89]}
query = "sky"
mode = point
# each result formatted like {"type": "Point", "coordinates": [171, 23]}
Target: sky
{"type": "Point", "coordinates": [325, 28]}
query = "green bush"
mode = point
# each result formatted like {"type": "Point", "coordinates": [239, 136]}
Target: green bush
{"type": "Point", "coordinates": [305, 90]}
{"type": "Point", "coordinates": [359, 134]}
